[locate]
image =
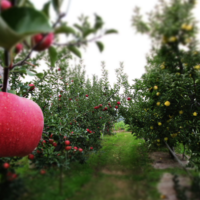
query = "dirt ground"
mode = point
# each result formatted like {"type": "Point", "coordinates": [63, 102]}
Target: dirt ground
{"type": "Point", "coordinates": [162, 160]}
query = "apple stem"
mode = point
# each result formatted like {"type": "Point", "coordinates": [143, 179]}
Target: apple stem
{"type": "Point", "coordinates": [6, 71]}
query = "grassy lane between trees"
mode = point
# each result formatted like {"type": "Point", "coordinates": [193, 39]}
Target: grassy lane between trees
{"type": "Point", "coordinates": [121, 170]}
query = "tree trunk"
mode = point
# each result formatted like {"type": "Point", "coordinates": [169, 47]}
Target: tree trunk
{"type": "Point", "coordinates": [1, 77]}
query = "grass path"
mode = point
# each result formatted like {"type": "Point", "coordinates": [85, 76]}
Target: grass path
{"type": "Point", "coordinates": [120, 171]}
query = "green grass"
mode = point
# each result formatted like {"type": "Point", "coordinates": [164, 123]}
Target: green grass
{"type": "Point", "coordinates": [121, 126]}
{"type": "Point", "coordinates": [121, 170]}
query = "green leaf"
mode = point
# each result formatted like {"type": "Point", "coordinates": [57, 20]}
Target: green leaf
{"type": "Point", "coordinates": [111, 31]}
{"type": "Point", "coordinates": [30, 73]}
{"type": "Point", "coordinates": [74, 50]}
{"type": "Point", "coordinates": [25, 3]}
{"type": "Point", "coordinates": [87, 32]}
{"type": "Point", "coordinates": [45, 9]}
{"type": "Point", "coordinates": [64, 29]}
{"type": "Point", "coordinates": [40, 75]}
{"type": "Point", "coordinates": [18, 23]}
{"type": "Point", "coordinates": [57, 5]}
{"type": "Point", "coordinates": [98, 22]}
{"type": "Point", "coordinates": [100, 46]}
{"type": "Point", "coordinates": [53, 55]}
{"type": "Point", "coordinates": [12, 91]}
{"type": "Point", "coordinates": [78, 27]}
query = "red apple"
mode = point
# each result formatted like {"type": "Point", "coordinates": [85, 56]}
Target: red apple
{"type": "Point", "coordinates": [129, 98]}
{"type": "Point", "coordinates": [80, 150]}
{"type": "Point", "coordinates": [75, 148]}
{"type": "Point", "coordinates": [116, 107]}
{"type": "Point", "coordinates": [11, 176]}
{"type": "Point", "coordinates": [60, 95]}
{"type": "Point", "coordinates": [21, 125]}
{"type": "Point", "coordinates": [106, 108]}
{"type": "Point", "coordinates": [100, 105]}
{"type": "Point", "coordinates": [32, 87]}
{"type": "Point", "coordinates": [87, 95]}
{"type": "Point", "coordinates": [5, 4]}
{"type": "Point", "coordinates": [6, 165]}
{"type": "Point", "coordinates": [59, 69]}
{"type": "Point", "coordinates": [118, 103]}
{"type": "Point", "coordinates": [38, 151]}
{"type": "Point", "coordinates": [42, 171]}
{"type": "Point", "coordinates": [88, 130]}
{"type": "Point", "coordinates": [91, 148]}
{"type": "Point", "coordinates": [51, 136]}
{"type": "Point", "coordinates": [51, 141]}
{"type": "Point", "coordinates": [67, 142]}
{"type": "Point", "coordinates": [18, 48]}
{"type": "Point", "coordinates": [67, 148]}
{"type": "Point", "coordinates": [31, 156]}
{"type": "Point", "coordinates": [54, 144]}
{"type": "Point", "coordinates": [45, 41]}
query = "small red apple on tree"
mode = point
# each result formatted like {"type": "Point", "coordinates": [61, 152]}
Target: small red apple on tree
{"type": "Point", "coordinates": [32, 87]}
{"type": "Point", "coordinates": [129, 98]}
{"type": "Point", "coordinates": [54, 144]}
{"type": "Point", "coordinates": [42, 41]}
{"type": "Point", "coordinates": [51, 141]}
{"type": "Point", "coordinates": [118, 103]}
{"type": "Point", "coordinates": [87, 95]}
{"type": "Point", "coordinates": [67, 142]}
{"type": "Point", "coordinates": [67, 148]}
{"type": "Point", "coordinates": [75, 148]}
{"type": "Point", "coordinates": [42, 171]}
{"type": "Point", "coordinates": [80, 150]}
{"type": "Point", "coordinates": [31, 156]}
{"type": "Point", "coordinates": [22, 120]}
{"type": "Point", "coordinates": [116, 107]}
{"type": "Point", "coordinates": [18, 48]}
{"type": "Point", "coordinates": [11, 176]}
{"type": "Point", "coordinates": [6, 165]}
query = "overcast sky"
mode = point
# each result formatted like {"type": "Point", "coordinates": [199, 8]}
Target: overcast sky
{"type": "Point", "coordinates": [126, 46]}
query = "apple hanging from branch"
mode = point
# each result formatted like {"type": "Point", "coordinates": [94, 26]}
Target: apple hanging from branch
{"type": "Point", "coordinates": [21, 125]}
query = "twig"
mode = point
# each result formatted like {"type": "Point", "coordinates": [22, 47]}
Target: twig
{"type": "Point", "coordinates": [6, 71]}
{"type": "Point", "coordinates": [31, 64]}
{"type": "Point", "coordinates": [78, 42]}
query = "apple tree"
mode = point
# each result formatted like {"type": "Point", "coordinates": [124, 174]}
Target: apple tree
{"type": "Point", "coordinates": [165, 104]}
{"type": "Point", "coordinates": [24, 30]}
